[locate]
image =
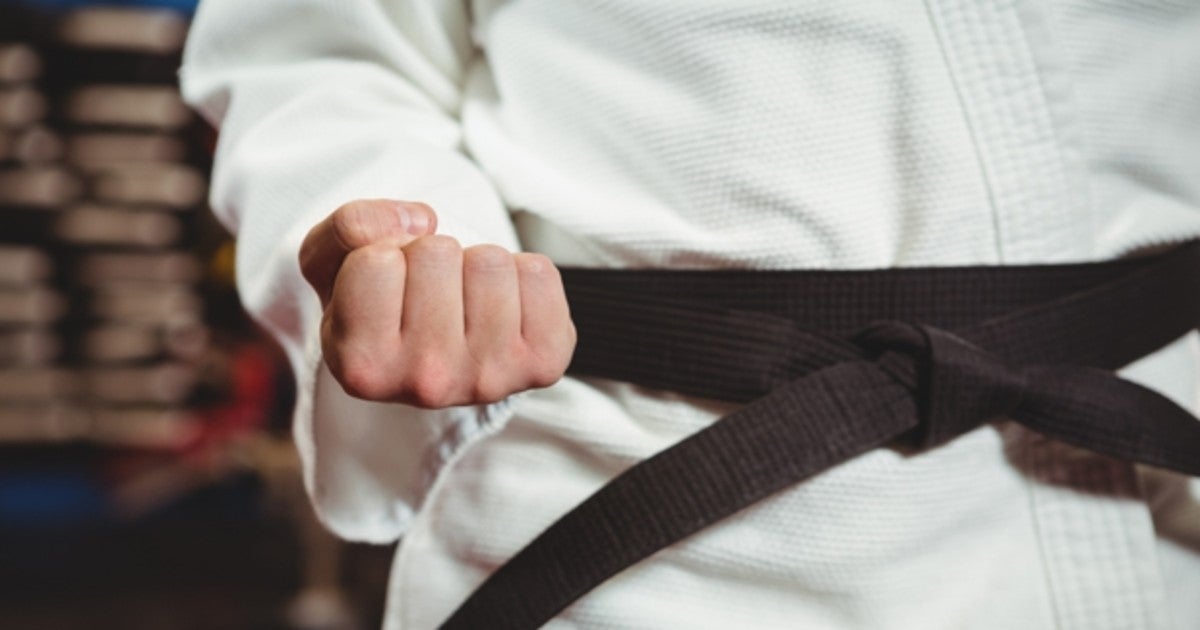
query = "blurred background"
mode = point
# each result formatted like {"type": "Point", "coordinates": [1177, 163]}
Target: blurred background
{"type": "Point", "coordinates": [147, 478]}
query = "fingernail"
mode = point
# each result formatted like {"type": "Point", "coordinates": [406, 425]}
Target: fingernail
{"type": "Point", "coordinates": [415, 222]}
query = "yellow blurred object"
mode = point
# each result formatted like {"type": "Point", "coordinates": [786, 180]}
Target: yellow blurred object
{"type": "Point", "coordinates": [222, 267]}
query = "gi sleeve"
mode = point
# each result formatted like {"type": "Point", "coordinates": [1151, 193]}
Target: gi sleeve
{"type": "Point", "coordinates": [320, 102]}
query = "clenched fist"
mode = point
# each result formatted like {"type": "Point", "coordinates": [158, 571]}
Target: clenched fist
{"type": "Point", "coordinates": [412, 317]}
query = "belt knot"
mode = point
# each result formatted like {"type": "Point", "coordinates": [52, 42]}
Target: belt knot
{"type": "Point", "coordinates": [958, 386]}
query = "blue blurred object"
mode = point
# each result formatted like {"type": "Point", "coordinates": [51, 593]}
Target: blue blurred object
{"type": "Point", "coordinates": [184, 6]}
{"type": "Point", "coordinates": [41, 498]}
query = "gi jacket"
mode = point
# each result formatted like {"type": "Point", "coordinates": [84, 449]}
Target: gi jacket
{"type": "Point", "coordinates": [755, 134]}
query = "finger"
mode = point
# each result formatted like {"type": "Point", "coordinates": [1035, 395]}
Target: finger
{"type": "Point", "coordinates": [432, 323]}
{"type": "Point", "coordinates": [357, 224]}
{"type": "Point", "coordinates": [362, 337]}
{"type": "Point", "coordinates": [492, 318]}
{"type": "Point", "coordinates": [545, 318]}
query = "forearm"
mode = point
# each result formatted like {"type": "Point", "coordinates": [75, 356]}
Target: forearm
{"type": "Point", "coordinates": [319, 103]}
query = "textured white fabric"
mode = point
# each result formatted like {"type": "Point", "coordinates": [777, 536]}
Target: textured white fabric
{"type": "Point", "coordinates": [727, 133]}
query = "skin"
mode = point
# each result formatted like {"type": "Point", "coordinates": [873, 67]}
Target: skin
{"type": "Point", "coordinates": [411, 316]}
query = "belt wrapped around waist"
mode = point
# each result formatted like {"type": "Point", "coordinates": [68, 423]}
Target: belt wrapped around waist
{"type": "Point", "coordinates": [833, 364]}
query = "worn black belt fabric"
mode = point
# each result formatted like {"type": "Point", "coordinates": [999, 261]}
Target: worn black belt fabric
{"type": "Point", "coordinates": [834, 364]}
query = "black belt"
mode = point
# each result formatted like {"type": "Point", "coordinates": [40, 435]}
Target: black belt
{"type": "Point", "coordinates": [914, 357]}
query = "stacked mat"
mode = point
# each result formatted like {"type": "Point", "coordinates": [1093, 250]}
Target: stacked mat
{"type": "Point", "coordinates": [102, 333]}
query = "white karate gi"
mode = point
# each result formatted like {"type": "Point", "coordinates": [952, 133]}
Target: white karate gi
{"type": "Point", "coordinates": [727, 133]}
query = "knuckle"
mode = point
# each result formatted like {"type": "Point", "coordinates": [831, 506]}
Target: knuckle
{"type": "Point", "coordinates": [535, 264]}
{"type": "Point", "coordinates": [361, 376]}
{"type": "Point", "coordinates": [431, 384]}
{"type": "Point", "coordinates": [308, 251]}
{"type": "Point", "coordinates": [312, 273]}
{"type": "Point", "coordinates": [495, 368]}
{"type": "Point", "coordinates": [316, 271]}
{"type": "Point", "coordinates": [435, 249]}
{"type": "Point", "coordinates": [489, 388]}
{"type": "Point", "coordinates": [436, 243]}
{"type": "Point", "coordinates": [545, 373]}
{"type": "Point", "coordinates": [374, 255]}
{"type": "Point", "coordinates": [355, 224]}
{"type": "Point", "coordinates": [550, 361]}
{"type": "Point", "coordinates": [516, 349]}
{"type": "Point", "coordinates": [486, 257]}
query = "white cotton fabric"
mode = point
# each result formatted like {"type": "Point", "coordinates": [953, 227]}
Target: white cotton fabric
{"type": "Point", "coordinates": [711, 134]}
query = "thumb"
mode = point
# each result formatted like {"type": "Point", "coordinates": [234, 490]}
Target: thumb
{"type": "Point", "coordinates": [358, 224]}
